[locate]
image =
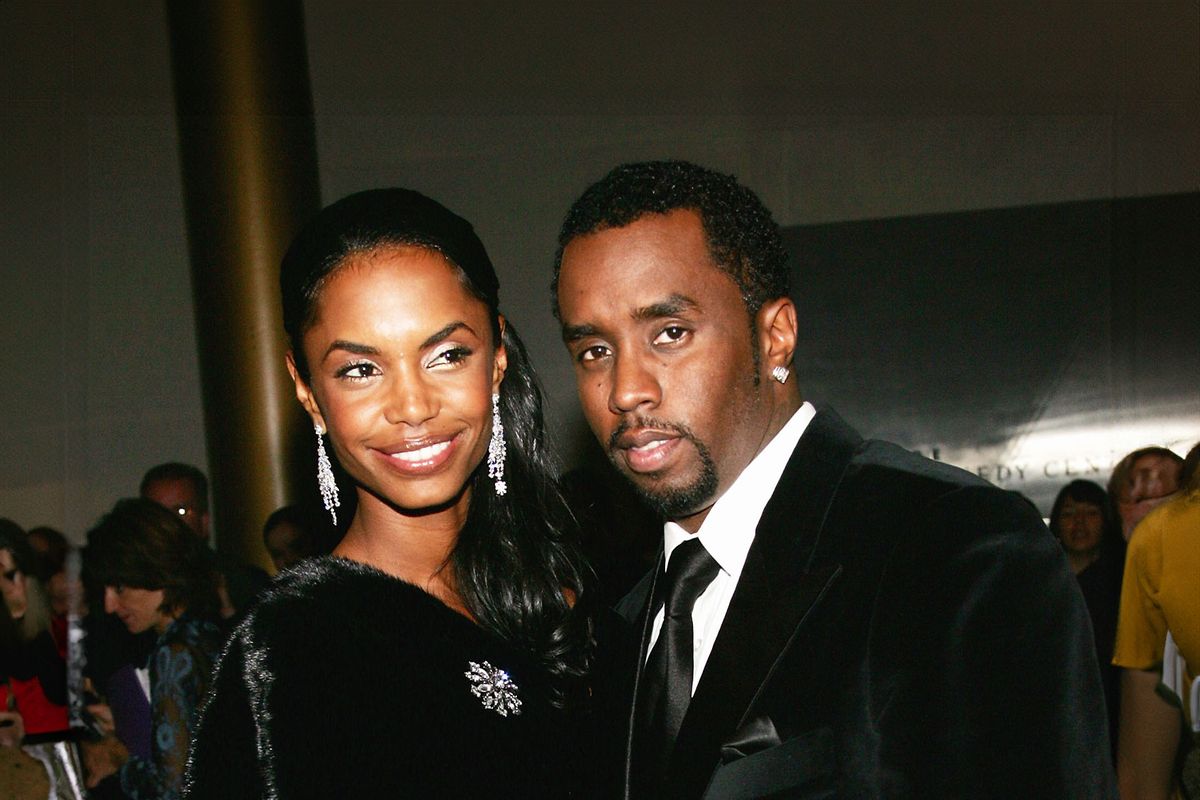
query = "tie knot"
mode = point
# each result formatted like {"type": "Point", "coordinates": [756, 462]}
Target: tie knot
{"type": "Point", "coordinates": [690, 572]}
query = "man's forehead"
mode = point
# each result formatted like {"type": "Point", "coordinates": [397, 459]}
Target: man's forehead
{"type": "Point", "coordinates": [1154, 462]}
{"type": "Point", "coordinates": [646, 262]}
{"type": "Point", "coordinates": [171, 488]}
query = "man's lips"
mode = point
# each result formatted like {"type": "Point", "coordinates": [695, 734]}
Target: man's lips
{"type": "Point", "coordinates": [646, 450]}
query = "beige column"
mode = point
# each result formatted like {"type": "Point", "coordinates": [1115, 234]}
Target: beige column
{"type": "Point", "coordinates": [248, 153]}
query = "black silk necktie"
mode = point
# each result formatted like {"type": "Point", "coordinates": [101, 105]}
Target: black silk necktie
{"type": "Point", "coordinates": [666, 686]}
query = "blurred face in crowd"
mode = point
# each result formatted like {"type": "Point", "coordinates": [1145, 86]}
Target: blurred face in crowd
{"type": "Point", "coordinates": [402, 368]}
{"type": "Point", "coordinates": [1152, 479]}
{"type": "Point", "coordinates": [1080, 526]}
{"type": "Point", "coordinates": [178, 495]}
{"type": "Point", "coordinates": [12, 584]}
{"type": "Point", "coordinates": [288, 545]}
{"type": "Point", "coordinates": [139, 609]}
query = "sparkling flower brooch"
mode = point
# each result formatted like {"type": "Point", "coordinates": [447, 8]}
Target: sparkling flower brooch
{"type": "Point", "coordinates": [494, 688]}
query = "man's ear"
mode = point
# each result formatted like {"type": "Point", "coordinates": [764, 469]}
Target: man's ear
{"type": "Point", "coordinates": [777, 333]}
{"type": "Point", "coordinates": [304, 393]}
{"type": "Point", "coordinates": [500, 366]}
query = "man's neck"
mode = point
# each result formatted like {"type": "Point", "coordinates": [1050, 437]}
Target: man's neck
{"type": "Point", "coordinates": [781, 415]}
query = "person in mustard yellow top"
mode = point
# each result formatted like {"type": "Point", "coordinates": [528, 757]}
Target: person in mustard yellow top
{"type": "Point", "coordinates": [1160, 592]}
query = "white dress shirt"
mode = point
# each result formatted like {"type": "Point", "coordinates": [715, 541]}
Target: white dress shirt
{"type": "Point", "coordinates": [727, 533]}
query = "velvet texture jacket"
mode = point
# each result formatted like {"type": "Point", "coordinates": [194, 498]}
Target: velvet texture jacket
{"type": "Point", "coordinates": [347, 682]}
{"type": "Point", "coordinates": [901, 629]}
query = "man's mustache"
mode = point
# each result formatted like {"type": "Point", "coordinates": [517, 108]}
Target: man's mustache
{"type": "Point", "coordinates": [633, 423]}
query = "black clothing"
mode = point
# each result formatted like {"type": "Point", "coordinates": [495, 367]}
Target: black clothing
{"type": "Point", "coordinates": [900, 629]}
{"type": "Point", "coordinates": [347, 682]}
{"type": "Point", "coordinates": [1100, 584]}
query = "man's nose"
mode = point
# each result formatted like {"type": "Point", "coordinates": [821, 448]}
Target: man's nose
{"type": "Point", "coordinates": [635, 385]}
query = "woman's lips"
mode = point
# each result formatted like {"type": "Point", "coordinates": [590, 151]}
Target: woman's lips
{"type": "Point", "coordinates": [420, 459]}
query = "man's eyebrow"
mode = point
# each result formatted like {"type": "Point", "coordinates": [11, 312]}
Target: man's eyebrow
{"type": "Point", "coordinates": [573, 333]}
{"type": "Point", "coordinates": [673, 305]}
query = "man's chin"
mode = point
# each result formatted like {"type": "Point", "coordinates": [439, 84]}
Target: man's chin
{"type": "Point", "coordinates": [674, 501]}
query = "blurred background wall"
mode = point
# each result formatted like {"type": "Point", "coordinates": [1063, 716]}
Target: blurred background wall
{"type": "Point", "coordinates": [836, 113]}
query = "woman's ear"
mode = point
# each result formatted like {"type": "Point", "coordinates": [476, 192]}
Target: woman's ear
{"type": "Point", "coordinates": [777, 329]}
{"type": "Point", "coordinates": [500, 365]}
{"type": "Point", "coordinates": [304, 393]}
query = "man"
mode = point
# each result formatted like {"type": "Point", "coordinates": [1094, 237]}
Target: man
{"type": "Point", "coordinates": [1162, 582]}
{"type": "Point", "coordinates": [1142, 481]}
{"type": "Point", "coordinates": [835, 617]}
{"type": "Point", "coordinates": [294, 533]}
{"type": "Point", "coordinates": [183, 490]}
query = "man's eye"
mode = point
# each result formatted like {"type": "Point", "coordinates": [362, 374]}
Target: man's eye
{"type": "Point", "coordinates": [671, 333]}
{"type": "Point", "coordinates": [593, 353]}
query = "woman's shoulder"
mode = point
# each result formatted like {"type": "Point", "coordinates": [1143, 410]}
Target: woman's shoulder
{"type": "Point", "coordinates": [333, 600]}
{"type": "Point", "coordinates": [330, 582]}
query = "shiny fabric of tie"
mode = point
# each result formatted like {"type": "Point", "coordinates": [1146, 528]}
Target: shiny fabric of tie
{"type": "Point", "coordinates": [666, 685]}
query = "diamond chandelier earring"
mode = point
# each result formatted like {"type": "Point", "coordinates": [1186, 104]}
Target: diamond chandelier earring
{"type": "Point", "coordinates": [496, 449]}
{"type": "Point", "coordinates": [780, 373]}
{"type": "Point", "coordinates": [325, 480]}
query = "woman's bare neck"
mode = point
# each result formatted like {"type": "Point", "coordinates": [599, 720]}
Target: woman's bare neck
{"type": "Point", "coordinates": [412, 547]}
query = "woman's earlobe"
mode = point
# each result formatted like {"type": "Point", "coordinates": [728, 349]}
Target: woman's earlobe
{"type": "Point", "coordinates": [501, 357]}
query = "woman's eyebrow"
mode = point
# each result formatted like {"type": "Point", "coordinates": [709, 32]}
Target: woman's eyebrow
{"type": "Point", "coordinates": [352, 347]}
{"type": "Point", "coordinates": [368, 350]}
{"type": "Point", "coordinates": [446, 331]}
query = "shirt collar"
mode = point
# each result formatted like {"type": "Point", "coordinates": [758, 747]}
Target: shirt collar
{"type": "Point", "coordinates": [728, 530]}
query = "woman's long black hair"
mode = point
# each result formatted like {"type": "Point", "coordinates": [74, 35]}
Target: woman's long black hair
{"type": "Point", "coordinates": [516, 563]}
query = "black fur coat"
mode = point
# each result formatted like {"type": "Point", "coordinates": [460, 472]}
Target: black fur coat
{"type": "Point", "coordinates": [346, 682]}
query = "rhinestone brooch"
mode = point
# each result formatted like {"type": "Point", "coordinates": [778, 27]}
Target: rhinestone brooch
{"type": "Point", "coordinates": [494, 688]}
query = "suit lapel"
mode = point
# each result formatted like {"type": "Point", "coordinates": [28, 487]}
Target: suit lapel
{"type": "Point", "coordinates": [641, 596]}
{"type": "Point", "coordinates": [781, 586]}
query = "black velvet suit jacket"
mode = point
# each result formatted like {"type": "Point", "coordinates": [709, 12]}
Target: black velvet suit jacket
{"type": "Point", "coordinates": [901, 629]}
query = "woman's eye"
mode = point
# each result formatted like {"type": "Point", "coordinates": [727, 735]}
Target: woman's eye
{"type": "Point", "coordinates": [671, 333]}
{"type": "Point", "coordinates": [358, 372]}
{"type": "Point", "coordinates": [449, 356]}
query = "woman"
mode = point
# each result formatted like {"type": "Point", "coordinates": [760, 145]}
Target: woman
{"type": "Point", "coordinates": [33, 674]}
{"type": "Point", "coordinates": [156, 578]}
{"type": "Point", "coordinates": [1082, 520]}
{"type": "Point", "coordinates": [442, 650]}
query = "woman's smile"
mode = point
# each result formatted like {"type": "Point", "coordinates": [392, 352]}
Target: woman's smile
{"type": "Point", "coordinates": [423, 458]}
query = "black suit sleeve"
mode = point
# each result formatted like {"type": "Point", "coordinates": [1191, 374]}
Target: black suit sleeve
{"type": "Point", "coordinates": [1014, 699]}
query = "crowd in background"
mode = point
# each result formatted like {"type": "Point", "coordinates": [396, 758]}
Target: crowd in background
{"type": "Point", "coordinates": [153, 602]}
{"type": "Point", "coordinates": [1135, 550]}
{"type": "Point", "coordinates": [110, 649]}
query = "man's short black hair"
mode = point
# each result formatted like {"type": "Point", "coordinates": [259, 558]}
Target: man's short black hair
{"type": "Point", "coordinates": [175, 471]}
{"type": "Point", "coordinates": [743, 238]}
